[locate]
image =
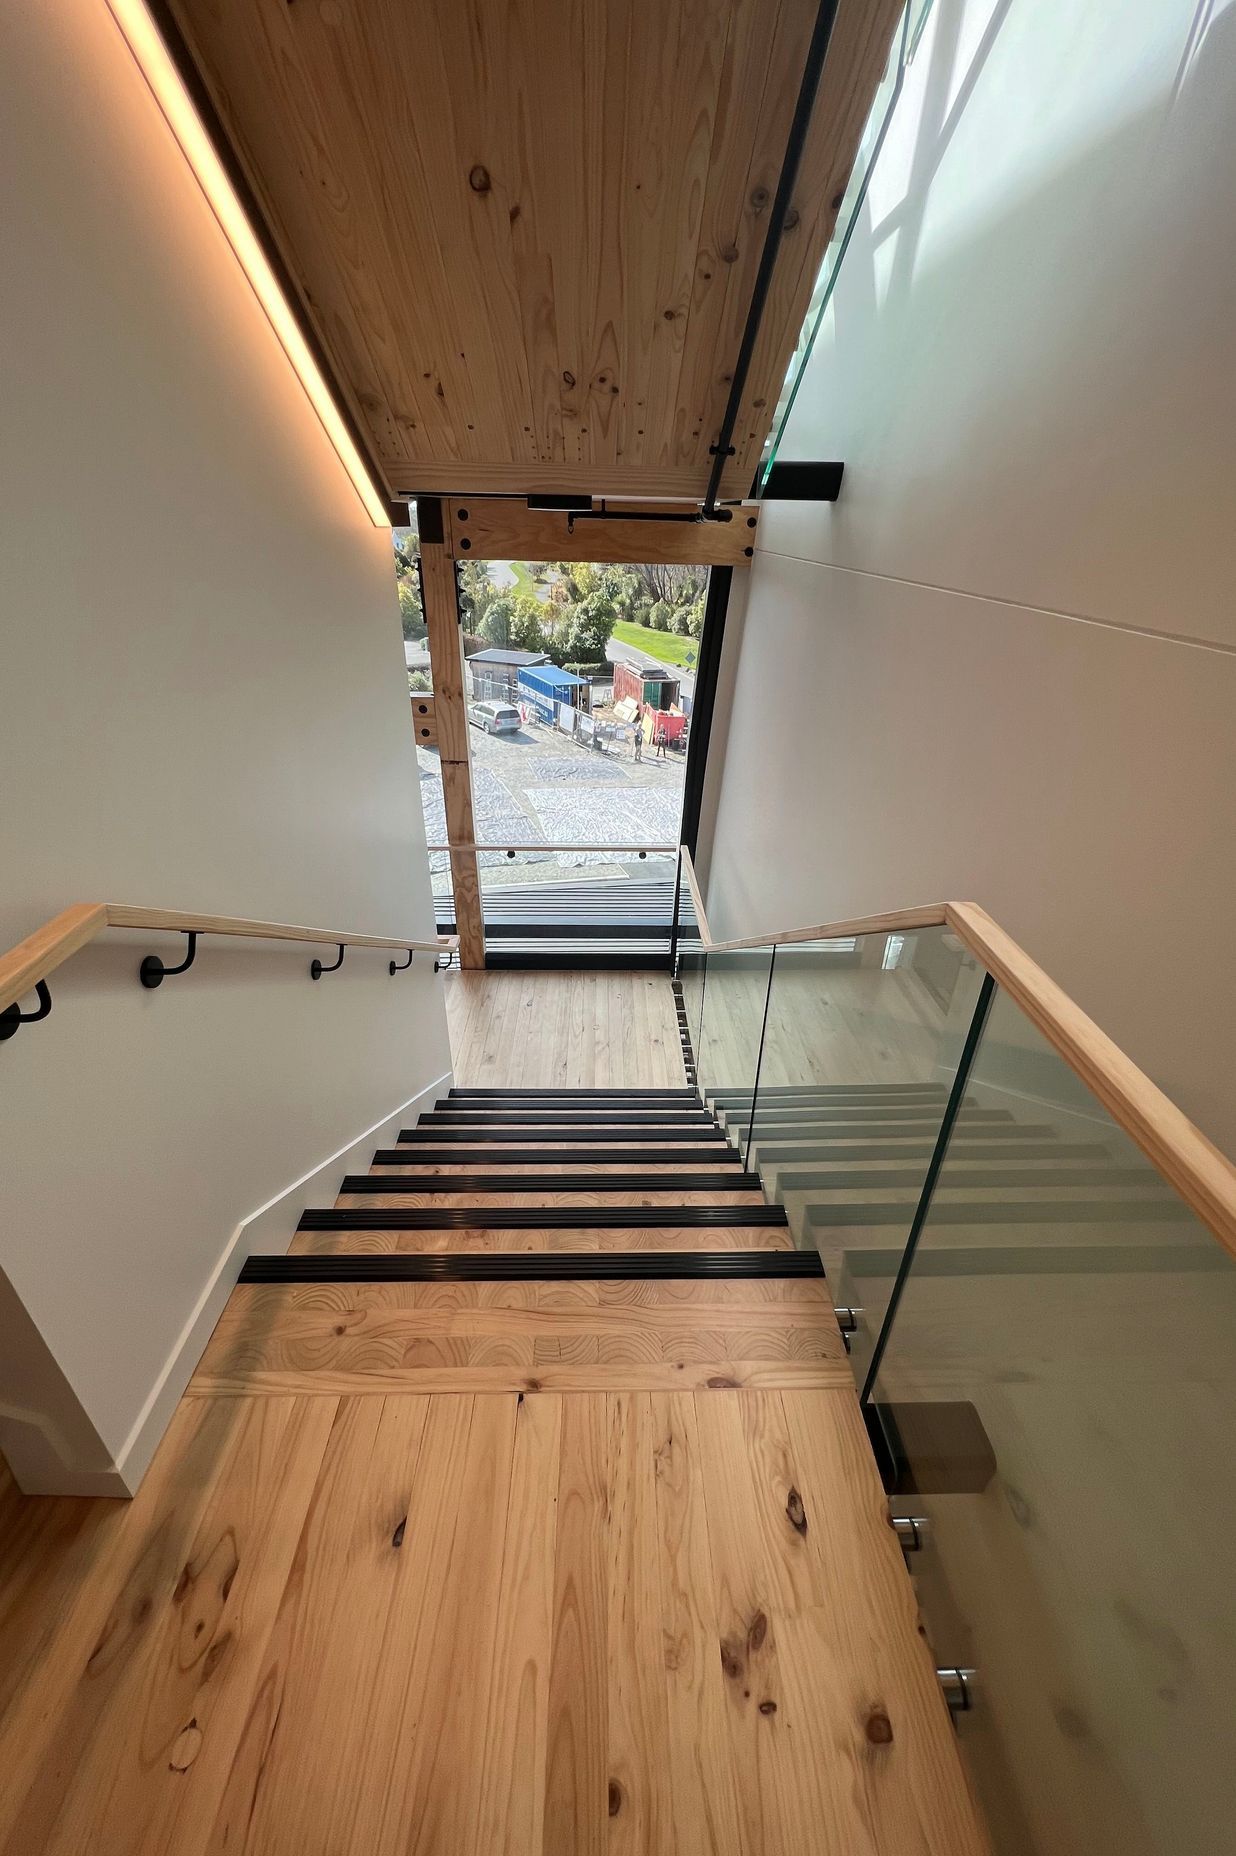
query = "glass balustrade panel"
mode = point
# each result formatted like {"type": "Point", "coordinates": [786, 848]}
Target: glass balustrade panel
{"type": "Point", "coordinates": [735, 992]}
{"type": "Point", "coordinates": [1058, 1384]}
{"type": "Point", "coordinates": [860, 1048]}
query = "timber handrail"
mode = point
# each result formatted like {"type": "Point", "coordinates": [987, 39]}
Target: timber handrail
{"type": "Point", "coordinates": [1204, 1177]}
{"type": "Point", "coordinates": [33, 959]}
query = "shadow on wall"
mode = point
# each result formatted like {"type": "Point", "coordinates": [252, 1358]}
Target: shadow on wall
{"type": "Point", "coordinates": [1074, 453]}
{"type": "Point", "coordinates": [937, 125]}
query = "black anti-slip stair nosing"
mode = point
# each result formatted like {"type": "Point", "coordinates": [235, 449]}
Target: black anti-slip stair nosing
{"type": "Point", "coordinates": [532, 1266]}
{"type": "Point", "coordinates": [539, 1217]}
{"type": "Point", "coordinates": [414, 1155]}
{"type": "Point", "coordinates": [564, 1117]}
{"type": "Point", "coordinates": [558, 1182]}
{"type": "Point", "coordinates": [479, 1137]}
{"type": "Point", "coordinates": [550, 1105]}
{"type": "Point", "coordinates": [537, 1098]}
{"type": "Point", "coordinates": [642, 1095]}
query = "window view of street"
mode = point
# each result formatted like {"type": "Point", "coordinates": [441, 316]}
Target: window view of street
{"type": "Point", "coordinates": [580, 683]}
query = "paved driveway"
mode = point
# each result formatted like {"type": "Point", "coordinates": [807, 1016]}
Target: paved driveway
{"type": "Point", "coordinates": [539, 786]}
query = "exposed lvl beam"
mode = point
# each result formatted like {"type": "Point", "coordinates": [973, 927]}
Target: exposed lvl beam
{"type": "Point", "coordinates": [505, 529]}
{"type": "Point", "coordinates": [450, 718]}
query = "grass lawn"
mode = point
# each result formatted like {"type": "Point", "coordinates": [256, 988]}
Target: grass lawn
{"type": "Point", "coordinates": [524, 583]}
{"type": "Point", "coordinates": [667, 646]}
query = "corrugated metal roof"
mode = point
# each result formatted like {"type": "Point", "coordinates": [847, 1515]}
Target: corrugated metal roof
{"type": "Point", "coordinates": [495, 654]}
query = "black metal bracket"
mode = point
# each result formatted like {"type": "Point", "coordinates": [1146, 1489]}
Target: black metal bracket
{"type": "Point", "coordinates": [803, 482]}
{"type": "Point", "coordinates": [444, 960]}
{"type": "Point", "coordinates": [316, 969]}
{"type": "Point", "coordinates": [606, 514]}
{"type": "Point", "coordinates": [400, 966]}
{"type": "Point", "coordinates": [429, 524]}
{"type": "Point", "coordinates": [12, 1016]}
{"type": "Point", "coordinates": [153, 972]}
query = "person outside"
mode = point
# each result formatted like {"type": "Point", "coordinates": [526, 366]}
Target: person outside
{"type": "Point", "coordinates": [661, 735]}
{"type": "Point", "coordinates": [639, 733]}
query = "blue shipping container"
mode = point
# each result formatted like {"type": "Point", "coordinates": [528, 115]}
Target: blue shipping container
{"type": "Point", "coordinates": [544, 687]}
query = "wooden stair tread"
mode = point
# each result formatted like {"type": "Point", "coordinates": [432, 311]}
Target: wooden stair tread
{"type": "Point", "coordinates": [550, 1376]}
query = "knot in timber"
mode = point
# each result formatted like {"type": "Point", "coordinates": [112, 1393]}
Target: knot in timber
{"type": "Point", "coordinates": [878, 1728]}
{"type": "Point", "coordinates": [478, 179]}
{"type": "Point", "coordinates": [185, 1749]}
{"type": "Point", "coordinates": [795, 1512]}
{"type": "Point", "coordinates": [733, 1661]}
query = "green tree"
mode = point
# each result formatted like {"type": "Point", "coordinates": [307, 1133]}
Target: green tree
{"type": "Point", "coordinates": [592, 626]}
{"type": "Point", "coordinates": [407, 547]}
{"type": "Point", "coordinates": [408, 582]}
{"type": "Point", "coordinates": [663, 580]}
{"type": "Point", "coordinates": [495, 621]}
{"type": "Point", "coordinates": [477, 592]}
{"type": "Point", "coordinates": [658, 617]}
{"type": "Point", "coordinates": [527, 632]}
{"type": "Point", "coordinates": [585, 601]}
{"type": "Point", "coordinates": [411, 611]}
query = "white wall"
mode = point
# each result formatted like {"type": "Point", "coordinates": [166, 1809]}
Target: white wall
{"type": "Point", "coordinates": [204, 707]}
{"type": "Point", "coordinates": [1004, 665]}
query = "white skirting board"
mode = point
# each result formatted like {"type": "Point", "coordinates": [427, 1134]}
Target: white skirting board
{"type": "Point", "coordinates": [268, 1230]}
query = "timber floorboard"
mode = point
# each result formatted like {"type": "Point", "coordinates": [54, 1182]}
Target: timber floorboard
{"type": "Point", "coordinates": [564, 1031]}
{"type": "Point", "coordinates": [624, 1619]}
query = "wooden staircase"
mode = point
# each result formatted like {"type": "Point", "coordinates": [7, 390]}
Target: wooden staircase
{"type": "Point", "coordinates": [525, 1505]}
{"type": "Point", "coordinates": [685, 1605]}
{"type": "Point", "coordinates": [624, 1187]}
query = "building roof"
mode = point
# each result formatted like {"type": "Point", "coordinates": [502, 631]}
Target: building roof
{"type": "Point", "coordinates": [495, 654]}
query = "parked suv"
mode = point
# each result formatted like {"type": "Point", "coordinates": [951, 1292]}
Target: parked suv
{"type": "Point", "coordinates": [496, 718]}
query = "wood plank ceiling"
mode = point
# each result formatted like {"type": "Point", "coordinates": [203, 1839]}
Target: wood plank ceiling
{"type": "Point", "coordinates": [526, 231]}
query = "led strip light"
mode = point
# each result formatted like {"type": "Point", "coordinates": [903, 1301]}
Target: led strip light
{"type": "Point", "coordinates": [155, 63]}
